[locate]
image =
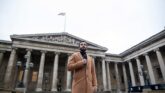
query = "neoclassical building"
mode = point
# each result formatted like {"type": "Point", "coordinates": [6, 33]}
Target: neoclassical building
{"type": "Point", "coordinates": [38, 62]}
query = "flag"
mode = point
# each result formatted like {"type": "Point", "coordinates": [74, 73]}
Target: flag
{"type": "Point", "coordinates": [62, 14]}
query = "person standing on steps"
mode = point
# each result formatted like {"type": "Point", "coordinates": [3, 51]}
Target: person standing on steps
{"type": "Point", "coordinates": [83, 69]}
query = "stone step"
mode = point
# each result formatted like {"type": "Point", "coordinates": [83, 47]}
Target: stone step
{"type": "Point", "coordinates": [65, 92]}
{"type": "Point", "coordinates": [157, 91]}
{"type": "Point", "coordinates": [18, 91]}
{"type": "Point", "coordinates": [4, 91]}
{"type": "Point", "coordinates": [1, 84]}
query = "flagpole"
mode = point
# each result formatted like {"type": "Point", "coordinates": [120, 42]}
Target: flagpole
{"type": "Point", "coordinates": [63, 14]}
{"type": "Point", "coordinates": [65, 22]}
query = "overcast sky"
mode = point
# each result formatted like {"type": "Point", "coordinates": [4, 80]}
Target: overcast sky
{"type": "Point", "coordinates": [115, 24]}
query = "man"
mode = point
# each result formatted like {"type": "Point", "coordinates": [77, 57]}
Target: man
{"type": "Point", "coordinates": [83, 69]}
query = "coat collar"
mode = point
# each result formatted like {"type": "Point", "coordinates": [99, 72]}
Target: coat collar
{"type": "Point", "coordinates": [81, 56]}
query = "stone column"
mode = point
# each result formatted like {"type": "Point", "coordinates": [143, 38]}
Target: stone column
{"type": "Point", "coordinates": [161, 62]}
{"type": "Point", "coordinates": [68, 82]}
{"type": "Point", "coordinates": [99, 76]}
{"type": "Point", "coordinates": [7, 79]}
{"type": "Point", "coordinates": [1, 63]}
{"type": "Point", "coordinates": [1, 56]}
{"type": "Point", "coordinates": [55, 72]}
{"type": "Point", "coordinates": [95, 66]}
{"type": "Point", "coordinates": [140, 72]}
{"type": "Point", "coordinates": [68, 78]}
{"type": "Point", "coordinates": [149, 65]}
{"type": "Point", "coordinates": [125, 78]}
{"type": "Point", "coordinates": [41, 72]}
{"type": "Point", "coordinates": [132, 73]}
{"type": "Point", "coordinates": [108, 77]}
{"type": "Point", "coordinates": [104, 75]}
{"type": "Point", "coordinates": [28, 59]}
{"type": "Point", "coordinates": [117, 78]}
{"type": "Point", "coordinates": [94, 62]}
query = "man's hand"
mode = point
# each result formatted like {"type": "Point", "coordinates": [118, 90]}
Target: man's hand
{"type": "Point", "coordinates": [85, 61]}
{"type": "Point", "coordinates": [94, 89]}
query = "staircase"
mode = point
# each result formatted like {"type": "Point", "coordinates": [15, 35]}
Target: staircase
{"type": "Point", "coordinates": [9, 91]}
{"type": "Point", "coordinates": [13, 91]}
{"type": "Point", "coordinates": [157, 91]}
{"type": "Point", "coordinates": [64, 92]}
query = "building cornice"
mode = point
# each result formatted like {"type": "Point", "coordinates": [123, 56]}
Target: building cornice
{"type": "Point", "coordinates": [5, 42]}
{"type": "Point", "coordinates": [113, 55]}
{"type": "Point", "coordinates": [144, 43]}
{"type": "Point", "coordinates": [26, 37]}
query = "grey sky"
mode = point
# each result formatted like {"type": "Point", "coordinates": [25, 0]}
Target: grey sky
{"type": "Point", "coordinates": [115, 24]}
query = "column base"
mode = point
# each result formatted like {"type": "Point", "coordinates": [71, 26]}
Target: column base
{"type": "Point", "coordinates": [53, 89]}
{"type": "Point", "coordinates": [20, 89]}
{"type": "Point", "coordinates": [67, 89]}
{"type": "Point", "coordinates": [108, 90]}
{"type": "Point", "coordinates": [38, 89]}
{"type": "Point", "coordinates": [146, 90]}
{"type": "Point", "coordinates": [119, 91]}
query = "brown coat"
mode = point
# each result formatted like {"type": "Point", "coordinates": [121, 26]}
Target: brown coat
{"type": "Point", "coordinates": [84, 76]}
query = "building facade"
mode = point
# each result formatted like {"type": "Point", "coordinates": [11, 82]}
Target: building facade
{"type": "Point", "coordinates": [38, 62]}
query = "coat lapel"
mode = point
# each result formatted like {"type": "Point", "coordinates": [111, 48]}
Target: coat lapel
{"type": "Point", "coordinates": [79, 54]}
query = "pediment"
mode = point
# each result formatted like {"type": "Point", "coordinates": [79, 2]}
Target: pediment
{"type": "Point", "coordinates": [57, 38]}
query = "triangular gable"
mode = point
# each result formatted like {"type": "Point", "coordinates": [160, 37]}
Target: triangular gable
{"type": "Point", "coordinates": [58, 38]}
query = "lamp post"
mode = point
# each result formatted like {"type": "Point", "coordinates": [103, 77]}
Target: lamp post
{"type": "Point", "coordinates": [145, 75]}
{"type": "Point", "coordinates": [20, 84]}
{"type": "Point", "coordinates": [22, 65]}
{"type": "Point", "coordinates": [46, 78]}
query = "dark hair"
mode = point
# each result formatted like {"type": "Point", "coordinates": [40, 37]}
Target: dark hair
{"type": "Point", "coordinates": [81, 42]}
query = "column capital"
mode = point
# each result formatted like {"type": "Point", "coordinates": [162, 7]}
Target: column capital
{"type": "Point", "coordinates": [137, 58]}
{"type": "Point", "coordinates": [93, 56]}
{"type": "Point", "coordinates": [43, 51]}
{"type": "Point", "coordinates": [14, 48]}
{"type": "Point", "coordinates": [157, 49]}
{"type": "Point", "coordinates": [56, 52]}
{"type": "Point", "coordinates": [103, 58]}
{"type": "Point", "coordinates": [128, 61]}
{"type": "Point", "coordinates": [145, 54]}
{"type": "Point", "coordinates": [69, 54]}
{"type": "Point", "coordinates": [124, 62]}
{"type": "Point", "coordinates": [117, 63]}
{"type": "Point", "coordinates": [28, 49]}
{"type": "Point", "coordinates": [108, 62]}
{"type": "Point", "coordinates": [2, 51]}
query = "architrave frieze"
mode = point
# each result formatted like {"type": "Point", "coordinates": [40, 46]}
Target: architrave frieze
{"type": "Point", "coordinates": [50, 47]}
{"type": "Point", "coordinates": [62, 39]}
{"type": "Point", "coordinates": [113, 59]}
{"type": "Point", "coordinates": [144, 43]}
{"type": "Point", "coordinates": [58, 44]}
{"type": "Point", "coordinates": [5, 45]}
{"type": "Point", "coordinates": [144, 50]}
{"type": "Point", "coordinates": [57, 39]}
